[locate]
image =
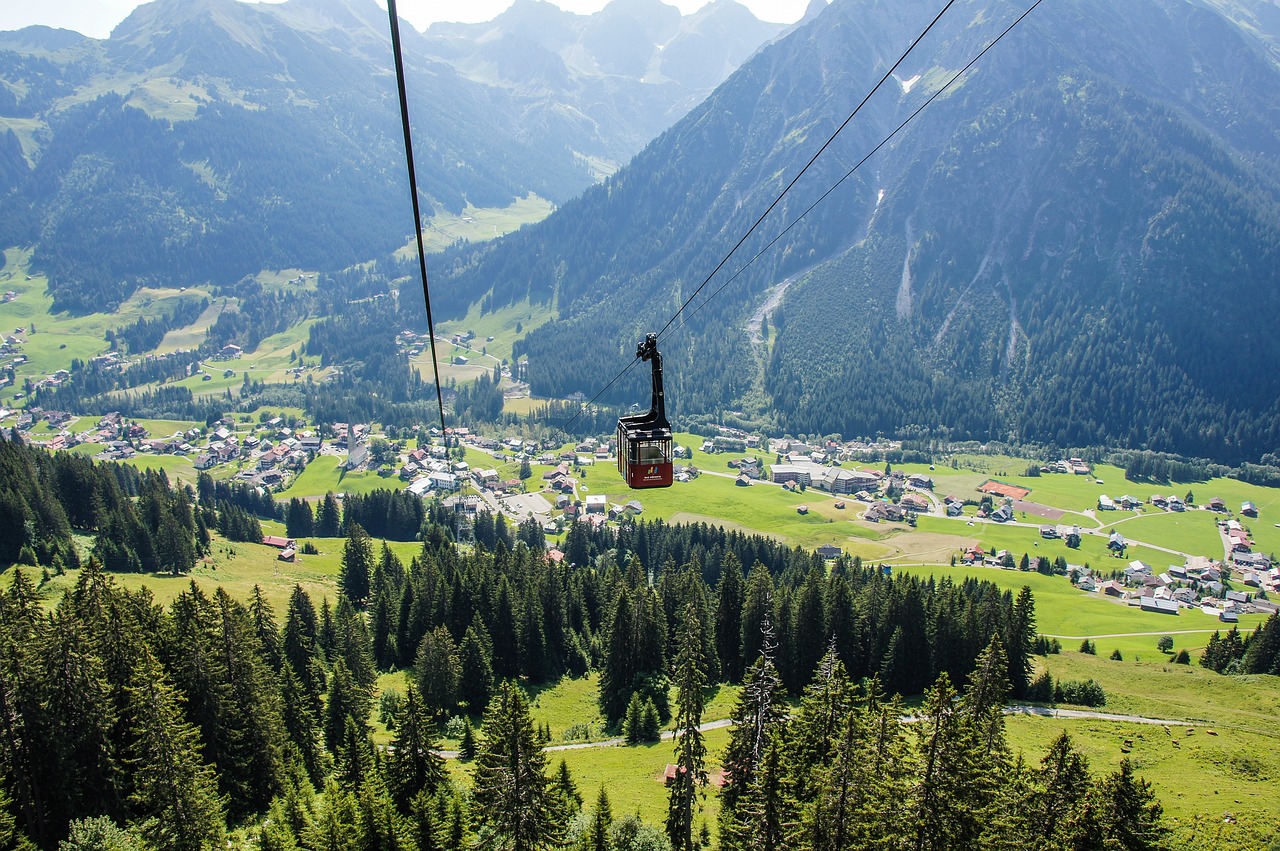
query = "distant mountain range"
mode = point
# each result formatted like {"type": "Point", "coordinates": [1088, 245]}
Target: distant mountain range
{"type": "Point", "coordinates": [209, 139]}
{"type": "Point", "coordinates": [1078, 244]}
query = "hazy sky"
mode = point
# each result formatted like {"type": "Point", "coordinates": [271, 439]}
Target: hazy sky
{"type": "Point", "coordinates": [97, 17]}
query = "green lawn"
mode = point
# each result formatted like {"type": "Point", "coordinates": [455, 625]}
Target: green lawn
{"type": "Point", "coordinates": [1184, 692]}
{"type": "Point", "coordinates": [499, 324]}
{"type": "Point", "coordinates": [1021, 539]}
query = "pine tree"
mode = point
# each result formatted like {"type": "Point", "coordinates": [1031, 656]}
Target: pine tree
{"type": "Point", "coordinates": [566, 801]}
{"type": "Point", "coordinates": [328, 521]}
{"type": "Point", "coordinates": [596, 837]}
{"type": "Point", "coordinates": [757, 609]}
{"type": "Point", "coordinates": [355, 574]}
{"type": "Point", "coordinates": [511, 796]}
{"type": "Point", "coordinates": [1022, 638]}
{"type": "Point", "coordinates": [347, 699]}
{"type": "Point", "coordinates": [810, 628]}
{"type": "Point", "coordinates": [984, 700]}
{"type": "Point", "coordinates": [172, 787]}
{"type": "Point", "coordinates": [436, 671]}
{"type": "Point", "coordinates": [467, 744]}
{"type": "Point", "coordinates": [475, 684]}
{"type": "Point", "coordinates": [413, 766]}
{"type": "Point", "coordinates": [650, 723]}
{"type": "Point", "coordinates": [816, 728]}
{"type": "Point", "coordinates": [757, 717]}
{"type": "Point", "coordinates": [352, 643]}
{"type": "Point", "coordinates": [1061, 783]}
{"type": "Point", "coordinates": [633, 722]}
{"type": "Point", "coordinates": [691, 749]}
{"type": "Point", "coordinates": [729, 598]}
{"type": "Point", "coordinates": [956, 782]}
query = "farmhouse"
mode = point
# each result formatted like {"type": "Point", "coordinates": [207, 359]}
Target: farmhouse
{"type": "Point", "coordinates": [1156, 604]}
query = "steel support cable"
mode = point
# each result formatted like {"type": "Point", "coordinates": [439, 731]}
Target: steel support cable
{"type": "Point", "coordinates": [954, 78]}
{"type": "Point", "coordinates": [916, 41]}
{"type": "Point", "coordinates": [413, 192]}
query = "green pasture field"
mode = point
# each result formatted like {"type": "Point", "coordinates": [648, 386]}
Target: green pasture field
{"type": "Point", "coordinates": [235, 566]}
{"type": "Point", "coordinates": [1191, 532]}
{"type": "Point", "coordinates": [633, 777]}
{"type": "Point", "coordinates": [158, 429]}
{"type": "Point", "coordinates": [1026, 539]}
{"type": "Point", "coordinates": [499, 324]}
{"type": "Point", "coordinates": [192, 336]}
{"type": "Point", "coordinates": [1160, 689]}
{"type": "Point", "coordinates": [1199, 781]}
{"type": "Point", "coordinates": [477, 224]}
{"type": "Point", "coordinates": [174, 466]}
{"type": "Point", "coordinates": [324, 473]}
{"type": "Point", "coordinates": [523, 406]}
{"type": "Point", "coordinates": [459, 373]}
{"type": "Point", "coordinates": [1063, 610]}
{"type": "Point", "coordinates": [758, 508]}
{"type": "Point", "coordinates": [61, 337]}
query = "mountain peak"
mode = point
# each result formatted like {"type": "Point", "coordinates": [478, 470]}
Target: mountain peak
{"type": "Point", "coordinates": [40, 39]}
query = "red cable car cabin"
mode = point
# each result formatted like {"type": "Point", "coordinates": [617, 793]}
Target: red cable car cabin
{"type": "Point", "coordinates": [644, 440]}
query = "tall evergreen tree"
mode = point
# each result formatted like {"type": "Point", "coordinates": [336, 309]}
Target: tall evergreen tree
{"type": "Point", "coordinates": [729, 598]}
{"type": "Point", "coordinates": [757, 717]}
{"type": "Point", "coordinates": [356, 573]}
{"type": "Point", "coordinates": [436, 671]}
{"type": "Point", "coordinates": [413, 767]}
{"type": "Point", "coordinates": [328, 520]}
{"type": "Point", "coordinates": [511, 796]}
{"type": "Point", "coordinates": [172, 788]}
{"type": "Point", "coordinates": [955, 782]}
{"type": "Point", "coordinates": [691, 774]}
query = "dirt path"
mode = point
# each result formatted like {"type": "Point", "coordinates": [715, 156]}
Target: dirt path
{"type": "Point", "coordinates": [1012, 709]}
{"type": "Point", "coordinates": [1079, 714]}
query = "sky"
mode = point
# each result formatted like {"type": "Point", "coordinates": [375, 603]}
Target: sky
{"type": "Point", "coordinates": [96, 18]}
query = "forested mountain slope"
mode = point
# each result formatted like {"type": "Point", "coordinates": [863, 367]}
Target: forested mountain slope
{"type": "Point", "coordinates": [210, 139]}
{"type": "Point", "coordinates": [1077, 243]}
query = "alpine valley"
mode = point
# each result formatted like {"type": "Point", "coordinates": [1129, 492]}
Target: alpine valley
{"type": "Point", "coordinates": [968, 313]}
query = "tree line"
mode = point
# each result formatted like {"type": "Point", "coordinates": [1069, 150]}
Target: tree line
{"type": "Point", "coordinates": [1255, 653]}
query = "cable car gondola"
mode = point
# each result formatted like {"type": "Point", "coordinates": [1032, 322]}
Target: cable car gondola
{"type": "Point", "coordinates": [644, 440]}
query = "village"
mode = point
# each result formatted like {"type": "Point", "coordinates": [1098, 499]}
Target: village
{"type": "Point", "coordinates": [272, 451]}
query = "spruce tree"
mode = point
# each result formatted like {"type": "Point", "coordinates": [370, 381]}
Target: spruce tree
{"type": "Point", "coordinates": [355, 574]}
{"type": "Point", "coordinates": [729, 597]}
{"type": "Point", "coordinates": [596, 837]}
{"type": "Point", "coordinates": [413, 767]}
{"type": "Point", "coordinates": [691, 749]}
{"type": "Point", "coordinates": [436, 671]}
{"type": "Point", "coordinates": [511, 795]}
{"type": "Point", "coordinates": [956, 781]}
{"type": "Point", "coordinates": [172, 788]}
{"type": "Point", "coordinates": [475, 668]}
